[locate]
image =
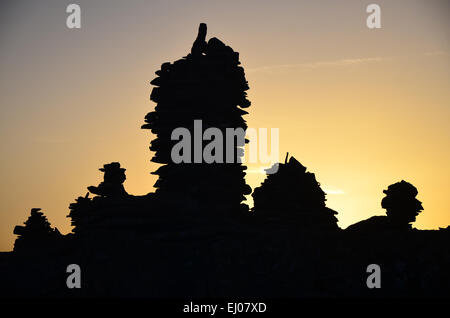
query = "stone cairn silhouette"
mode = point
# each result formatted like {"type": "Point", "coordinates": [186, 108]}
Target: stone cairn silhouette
{"type": "Point", "coordinates": [79, 210]}
{"type": "Point", "coordinates": [36, 234]}
{"type": "Point", "coordinates": [113, 179]}
{"type": "Point", "coordinates": [401, 204]}
{"type": "Point", "coordinates": [292, 195]}
{"type": "Point", "coordinates": [110, 188]}
{"type": "Point", "coordinates": [209, 85]}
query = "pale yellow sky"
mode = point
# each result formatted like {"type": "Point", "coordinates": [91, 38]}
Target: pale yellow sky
{"type": "Point", "coordinates": [360, 108]}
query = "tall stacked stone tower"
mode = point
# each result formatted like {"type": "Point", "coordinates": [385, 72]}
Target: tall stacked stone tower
{"type": "Point", "coordinates": [208, 85]}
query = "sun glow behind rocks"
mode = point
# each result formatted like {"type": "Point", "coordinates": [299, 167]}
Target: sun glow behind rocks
{"type": "Point", "coordinates": [333, 191]}
{"type": "Point", "coordinates": [360, 108]}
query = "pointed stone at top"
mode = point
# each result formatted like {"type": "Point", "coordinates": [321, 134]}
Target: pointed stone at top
{"type": "Point", "coordinates": [199, 45]}
{"type": "Point", "coordinates": [295, 163]}
{"type": "Point", "coordinates": [202, 31]}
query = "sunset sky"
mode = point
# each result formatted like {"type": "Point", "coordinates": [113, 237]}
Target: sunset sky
{"type": "Point", "coordinates": [361, 108]}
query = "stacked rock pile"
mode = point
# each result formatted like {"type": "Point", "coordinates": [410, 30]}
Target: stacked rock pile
{"type": "Point", "coordinates": [293, 195]}
{"type": "Point", "coordinates": [208, 85]}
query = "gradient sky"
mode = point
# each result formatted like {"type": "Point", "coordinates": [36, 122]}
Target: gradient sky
{"type": "Point", "coordinates": [360, 108]}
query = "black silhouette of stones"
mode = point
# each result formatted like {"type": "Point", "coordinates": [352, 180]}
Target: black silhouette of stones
{"type": "Point", "coordinates": [112, 181]}
{"type": "Point", "coordinates": [207, 85]}
{"type": "Point", "coordinates": [199, 45]}
{"type": "Point", "coordinates": [36, 234]}
{"type": "Point", "coordinates": [401, 206]}
{"type": "Point", "coordinates": [292, 195]}
{"type": "Point", "coordinates": [400, 202]}
{"type": "Point", "coordinates": [79, 210]}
